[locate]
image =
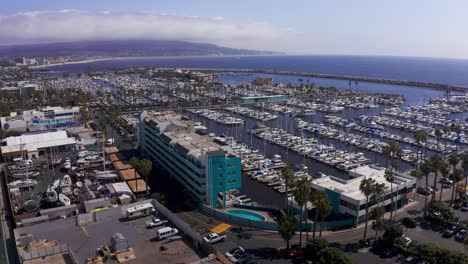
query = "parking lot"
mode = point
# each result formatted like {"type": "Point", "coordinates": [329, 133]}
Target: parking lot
{"type": "Point", "coordinates": [85, 239]}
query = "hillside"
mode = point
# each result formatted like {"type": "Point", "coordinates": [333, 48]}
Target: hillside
{"type": "Point", "coordinates": [123, 48]}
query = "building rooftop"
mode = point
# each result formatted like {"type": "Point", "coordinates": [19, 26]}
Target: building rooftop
{"type": "Point", "coordinates": [350, 188]}
{"type": "Point", "coordinates": [183, 135]}
{"type": "Point", "coordinates": [35, 141]}
{"type": "Point", "coordinates": [84, 240]}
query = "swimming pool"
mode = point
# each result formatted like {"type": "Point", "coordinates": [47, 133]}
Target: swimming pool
{"type": "Point", "coordinates": [246, 214]}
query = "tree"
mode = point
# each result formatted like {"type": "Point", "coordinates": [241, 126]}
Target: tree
{"type": "Point", "coordinates": [439, 211]}
{"type": "Point", "coordinates": [321, 202]}
{"type": "Point", "coordinates": [465, 167]}
{"type": "Point", "coordinates": [135, 162]}
{"type": "Point", "coordinates": [144, 167]}
{"type": "Point", "coordinates": [287, 229]}
{"type": "Point", "coordinates": [457, 176]}
{"type": "Point", "coordinates": [314, 246]}
{"type": "Point", "coordinates": [378, 214]}
{"type": "Point", "coordinates": [367, 187]}
{"type": "Point", "coordinates": [289, 180]}
{"type": "Point", "coordinates": [444, 171]}
{"type": "Point", "coordinates": [437, 163]}
{"type": "Point", "coordinates": [421, 137]}
{"type": "Point", "coordinates": [438, 135]}
{"type": "Point", "coordinates": [325, 210]}
{"type": "Point", "coordinates": [160, 197]}
{"type": "Point", "coordinates": [391, 234]}
{"type": "Point", "coordinates": [390, 177]}
{"type": "Point", "coordinates": [433, 253]}
{"type": "Point", "coordinates": [333, 255]}
{"type": "Point", "coordinates": [301, 194]}
{"type": "Point", "coordinates": [426, 169]}
{"type": "Point", "coordinates": [416, 174]}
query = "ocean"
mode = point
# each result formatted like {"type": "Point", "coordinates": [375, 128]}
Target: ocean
{"type": "Point", "coordinates": [446, 71]}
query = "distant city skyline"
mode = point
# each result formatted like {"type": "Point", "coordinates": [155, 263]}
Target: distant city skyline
{"type": "Point", "coordinates": [337, 27]}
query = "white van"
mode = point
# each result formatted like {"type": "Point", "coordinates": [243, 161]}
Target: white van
{"type": "Point", "coordinates": [166, 232]}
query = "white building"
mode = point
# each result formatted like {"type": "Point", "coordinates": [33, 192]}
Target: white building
{"type": "Point", "coordinates": [347, 199]}
{"type": "Point", "coordinates": [34, 120]}
{"type": "Point", "coordinates": [36, 144]}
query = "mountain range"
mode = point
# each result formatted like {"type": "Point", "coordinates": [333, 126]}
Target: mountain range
{"type": "Point", "coordinates": [123, 48]}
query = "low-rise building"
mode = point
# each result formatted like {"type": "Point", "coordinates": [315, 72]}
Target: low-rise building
{"type": "Point", "coordinates": [33, 120]}
{"type": "Point", "coordinates": [347, 200]}
{"type": "Point", "coordinates": [205, 168]}
{"type": "Point", "coordinates": [35, 144]}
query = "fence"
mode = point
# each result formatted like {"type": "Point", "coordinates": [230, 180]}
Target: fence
{"type": "Point", "coordinates": [179, 223]}
{"type": "Point", "coordinates": [232, 219]}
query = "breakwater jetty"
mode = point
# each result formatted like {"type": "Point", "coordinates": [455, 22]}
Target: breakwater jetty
{"type": "Point", "coordinates": [439, 86]}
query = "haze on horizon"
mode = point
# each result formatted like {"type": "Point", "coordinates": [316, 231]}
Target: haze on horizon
{"type": "Point", "coordinates": [417, 28]}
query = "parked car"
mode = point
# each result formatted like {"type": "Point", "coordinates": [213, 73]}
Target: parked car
{"type": "Point", "coordinates": [465, 207]}
{"type": "Point", "coordinates": [214, 238]}
{"type": "Point", "coordinates": [425, 190]}
{"type": "Point", "coordinates": [294, 251]}
{"type": "Point", "coordinates": [409, 222]}
{"type": "Point", "coordinates": [460, 236]}
{"type": "Point", "coordinates": [238, 256]}
{"type": "Point", "coordinates": [445, 180]}
{"type": "Point", "coordinates": [155, 222]}
{"type": "Point", "coordinates": [406, 241]}
{"type": "Point", "coordinates": [233, 251]}
{"type": "Point", "coordinates": [411, 260]}
{"type": "Point", "coordinates": [389, 252]}
{"type": "Point", "coordinates": [450, 232]}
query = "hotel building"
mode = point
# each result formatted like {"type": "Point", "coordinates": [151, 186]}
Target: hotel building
{"type": "Point", "coordinates": [207, 169]}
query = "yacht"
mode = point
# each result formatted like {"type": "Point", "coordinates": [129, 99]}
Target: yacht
{"type": "Point", "coordinates": [105, 175]}
{"type": "Point", "coordinates": [22, 183]}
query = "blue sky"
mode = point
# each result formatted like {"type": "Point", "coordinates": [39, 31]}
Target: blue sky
{"type": "Point", "coordinates": [409, 28]}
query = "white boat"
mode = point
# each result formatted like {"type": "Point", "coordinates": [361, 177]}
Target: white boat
{"type": "Point", "coordinates": [66, 181]}
{"type": "Point", "coordinates": [64, 200]}
{"type": "Point", "coordinates": [22, 183]}
{"type": "Point", "coordinates": [55, 184]}
{"type": "Point", "coordinates": [105, 175]}
{"type": "Point", "coordinates": [51, 195]}
{"type": "Point", "coordinates": [24, 175]}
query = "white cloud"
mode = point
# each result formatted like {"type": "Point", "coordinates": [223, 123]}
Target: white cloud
{"type": "Point", "coordinates": [73, 25]}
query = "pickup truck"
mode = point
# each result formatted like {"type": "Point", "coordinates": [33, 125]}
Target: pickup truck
{"type": "Point", "coordinates": [155, 222]}
{"type": "Point", "coordinates": [214, 238]}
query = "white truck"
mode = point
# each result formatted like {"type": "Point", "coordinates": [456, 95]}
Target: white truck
{"type": "Point", "coordinates": [214, 238]}
{"type": "Point", "coordinates": [155, 222]}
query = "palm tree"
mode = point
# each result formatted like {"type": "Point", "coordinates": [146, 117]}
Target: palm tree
{"type": "Point", "coordinates": [465, 167]}
{"type": "Point", "coordinates": [416, 174]}
{"type": "Point", "coordinates": [367, 187]}
{"type": "Point", "coordinates": [325, 209]}
{"type": "Point", "coordinates": [390, 177]}
{"type": "Point", "coordinates": [144, 167]}
{"type": "Point", "coordinates": [287, 228]}
{"type": "Point", "coordinates": [421, 137]}
{"type": "Point", "coordinates": [457, 129]}
{"type": "Point", "coordinates": [447, 131]}
{"type": "Point", "coordinates": [438, 135]}
{"type": "Point", "coordinates": [436, 163]}
{"type": "Point", "coordinates": [457, 176]}
{"type": "Point", "coordinates": [444, 171]}
{"type": "Point", "coordinates": [289, 180]}
{"type": "Point", "coordinates": [318, 199]}
{"type": "Point", "coordinates": [426, 169]}
{"type": "Point", "coordinates": [301, 195]}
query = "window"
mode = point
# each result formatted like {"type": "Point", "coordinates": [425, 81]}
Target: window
{"type": "Point", "coordinates": [220, 175]}
{"type": "Point", "coordinates": [220, 166]}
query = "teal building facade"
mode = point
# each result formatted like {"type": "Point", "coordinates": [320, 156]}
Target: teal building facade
{"type": "Point", "coordinates": [204, 168]}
